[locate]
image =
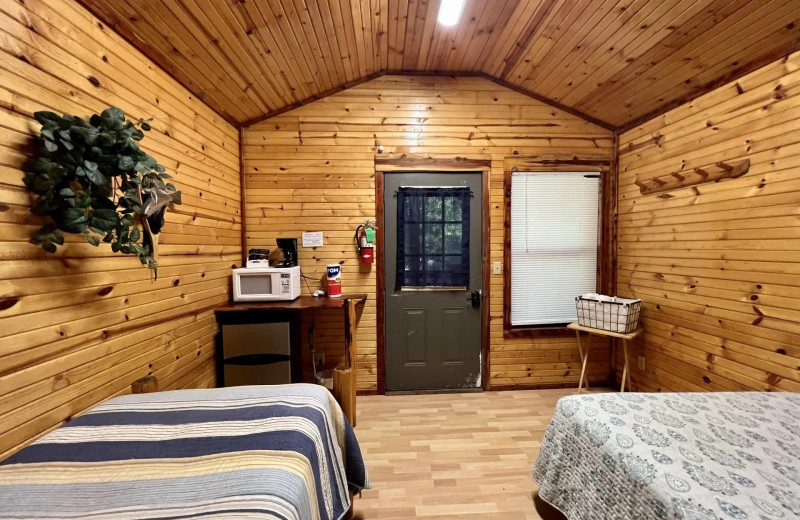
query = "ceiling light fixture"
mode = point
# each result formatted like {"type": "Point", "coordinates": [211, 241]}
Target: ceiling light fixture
{"type": "Point", "coordinates": [450, 11]}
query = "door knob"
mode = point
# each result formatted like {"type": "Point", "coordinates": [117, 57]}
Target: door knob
{"type": "Point", "coordinates": [475, 298]}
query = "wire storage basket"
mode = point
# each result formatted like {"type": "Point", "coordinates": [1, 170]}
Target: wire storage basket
{"type": "Point", "coordinates": [608, 312]}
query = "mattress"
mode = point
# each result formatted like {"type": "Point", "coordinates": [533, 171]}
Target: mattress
{"type": "Point", "coordinates": [279, 452]}
{"type": "Point", "coordinates": [693, 456]}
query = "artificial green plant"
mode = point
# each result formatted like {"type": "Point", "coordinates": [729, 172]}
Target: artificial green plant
{"type": "Point", "coordinates": [88, 177]}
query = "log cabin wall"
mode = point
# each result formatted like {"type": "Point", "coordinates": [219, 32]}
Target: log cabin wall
{"type": "Point", "coordinates": [717, 266]}
{"type": "Point", "coordinates": [78, 327]}
{"type": "Point", "coordinates": [312, 169]}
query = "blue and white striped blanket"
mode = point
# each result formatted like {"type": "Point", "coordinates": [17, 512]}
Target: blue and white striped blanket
{"type": "Point", "coordinates": [245, 452]}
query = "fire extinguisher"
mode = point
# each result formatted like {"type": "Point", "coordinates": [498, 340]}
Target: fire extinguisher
{"type": "Point", "coordinates": [365, 242]}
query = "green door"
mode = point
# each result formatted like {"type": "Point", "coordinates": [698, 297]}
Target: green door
{"type": "Point", "coordinates": [432, 261]}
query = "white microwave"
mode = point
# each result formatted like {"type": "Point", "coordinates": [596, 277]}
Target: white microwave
{"type": "Point", "coordinates": [264, 284]}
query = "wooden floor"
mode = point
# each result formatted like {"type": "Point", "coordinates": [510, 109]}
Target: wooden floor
{"type": "Point", "coordinates": [454, 456]}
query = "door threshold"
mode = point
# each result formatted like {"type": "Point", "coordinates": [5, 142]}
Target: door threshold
{"type": "Point", "coordinates": [440, 391]}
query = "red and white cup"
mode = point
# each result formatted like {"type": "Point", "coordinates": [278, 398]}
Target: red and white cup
{"type": "Point", "coordinates": [334, 280]}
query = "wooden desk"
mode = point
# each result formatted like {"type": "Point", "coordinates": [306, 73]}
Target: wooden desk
{"type": "Point", "coordinates": [300, 303]}
{"type": "Point", "coordinates": [344, 380]}
{"type": "Point", "coordinates": [600, 332]}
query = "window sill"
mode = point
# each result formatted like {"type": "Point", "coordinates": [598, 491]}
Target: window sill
{"type": "Point", "coordinates": [537, 332]}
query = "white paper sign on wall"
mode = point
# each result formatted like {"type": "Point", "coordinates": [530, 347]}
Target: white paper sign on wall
{"type": "Point", "coordinates": [312, 239]}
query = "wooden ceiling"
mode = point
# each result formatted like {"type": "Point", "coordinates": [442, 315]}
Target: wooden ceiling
{"type": "Point", "coordinates": [614, 60]}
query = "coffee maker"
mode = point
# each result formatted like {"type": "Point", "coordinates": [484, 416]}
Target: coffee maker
{"type": "Point", "coordinates": [288, 246]}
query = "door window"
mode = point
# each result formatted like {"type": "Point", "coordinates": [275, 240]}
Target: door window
{"type": "Point", "coordinates": [433, 237]}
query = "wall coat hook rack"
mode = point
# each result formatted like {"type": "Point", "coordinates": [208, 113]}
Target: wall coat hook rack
{"type": "Point", "coordinates": [692, 177]}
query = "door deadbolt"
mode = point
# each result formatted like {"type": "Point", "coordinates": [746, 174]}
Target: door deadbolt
{"type": "Point", "coordinates": [475, 298]}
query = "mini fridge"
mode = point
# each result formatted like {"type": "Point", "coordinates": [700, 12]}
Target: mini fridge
{"type": "Point", "coordinates": [256, 354]}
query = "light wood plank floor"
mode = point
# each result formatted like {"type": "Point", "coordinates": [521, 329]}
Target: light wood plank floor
{"type": "Point", "coordinates": [453, 456]}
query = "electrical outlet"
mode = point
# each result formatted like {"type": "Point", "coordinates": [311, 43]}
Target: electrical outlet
{"type": "Point", "coordinates": [319, 359]}
{"type": "Point", "coordinates": [641, 363]}
{"type": "Point", "coordinates": [497, 268]}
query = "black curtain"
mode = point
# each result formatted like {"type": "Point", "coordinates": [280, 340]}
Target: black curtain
{"type": "Point", "coordinates": [433, 237]}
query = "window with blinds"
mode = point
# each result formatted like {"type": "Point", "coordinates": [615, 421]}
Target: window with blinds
{"type": "Point", "coordinates": [554, 227]}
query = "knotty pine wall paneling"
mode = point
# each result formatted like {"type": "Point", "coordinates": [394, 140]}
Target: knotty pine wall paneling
{"type": "Point", "coordinates": [718, 265]}
{"type": "Point", "coordinates": [78, 327]}
{"type": "Point", "coordinates": [312, 169]}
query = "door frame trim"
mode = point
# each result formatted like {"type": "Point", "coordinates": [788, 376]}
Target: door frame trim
{"type": "Point", "coordinates": [410, 164]}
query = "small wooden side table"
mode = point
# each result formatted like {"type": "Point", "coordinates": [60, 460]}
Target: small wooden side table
{"type": "Point", "coordinates": [585, 355]}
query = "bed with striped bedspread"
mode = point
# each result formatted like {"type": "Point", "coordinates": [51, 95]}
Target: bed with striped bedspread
{"type": "Point", "coordinates": [278, 452]}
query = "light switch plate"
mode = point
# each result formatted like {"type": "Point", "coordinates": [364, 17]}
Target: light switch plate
{"type": "Point", "coordinates": [497, 268]}
{"type": "Point", "coordinates": [641, 362]}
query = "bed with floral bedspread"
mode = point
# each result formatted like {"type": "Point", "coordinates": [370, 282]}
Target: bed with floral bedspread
{"type": "Point", "coordinates": [693, 456]}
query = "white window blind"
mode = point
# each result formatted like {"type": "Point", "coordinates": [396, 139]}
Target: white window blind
{"type": "Point", "coordinates": [554, 220]}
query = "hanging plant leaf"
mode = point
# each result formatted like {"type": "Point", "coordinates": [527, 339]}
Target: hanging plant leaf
{"type": "Point", "coordinates": [113, 118]}
{"type": "Point", "coordinates": [105, 139]}
{"type": "Point", "coordinates": [71, 220]}
{"type": "Point", "coordinates": [87, 134]}
{"type": "Point", "coordinates": [125, 163]}
{"type": "Point", "coordinates": [41, 207]}
{"type": "Point", "coordinates": [96, 177]}
{"type": "Point", "coordinates": [104, 219]}
{"type": "Point", "coordinates": [83, 199]}
{"type": "Point", "coordinates": [45, 117]}
{"type": "Point", "coordinates": [145, 124]}
{"type": "Point", "coordinates": [42, 184]}
{"type": "Point", "coordinates": [44, 233]}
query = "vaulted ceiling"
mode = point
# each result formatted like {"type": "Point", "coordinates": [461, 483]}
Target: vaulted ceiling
{"type": "Point", "coordinates": [614, 60]}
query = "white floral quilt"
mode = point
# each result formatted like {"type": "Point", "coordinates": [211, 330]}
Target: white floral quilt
{"type": "Point", "coordinates": [693, 456]}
